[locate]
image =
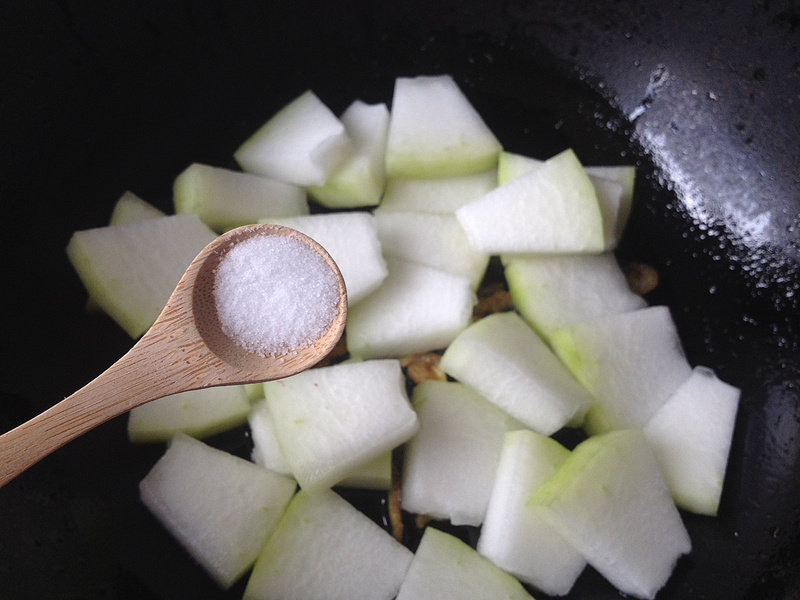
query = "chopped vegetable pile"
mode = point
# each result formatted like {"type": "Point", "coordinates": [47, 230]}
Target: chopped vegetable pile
{"type": "Point", "coordinates": [451, 381]}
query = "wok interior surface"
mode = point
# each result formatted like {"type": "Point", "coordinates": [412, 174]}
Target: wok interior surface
{"type": "Point", "coordinates": [704, 100]}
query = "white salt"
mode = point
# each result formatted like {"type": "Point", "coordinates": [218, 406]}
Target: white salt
{"type": "Point", "coordinates": [274, 294]}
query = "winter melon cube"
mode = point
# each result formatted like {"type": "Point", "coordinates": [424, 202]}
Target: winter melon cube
{"type": "Point", "coordinates": [198, 413]}
{"type": "Point", "coordinates": [130, 208]}
{"type": "Point", "coordinates": [449, 466]}
{"type": "Point", "coordinates": [220, 507]}
{"type": "Point", "coordinates": [373, 475]}
{"type": "Point", "coordinates": [325, 549]}
{"type": "Point", "coordinates": [416, 309]}
{"type": "Point", "coordinates": [613, 185]}
{"type": "Point", "coordinates": [351, 238]}
{"type": "Point", "coordinates": [441, 195]}
{"type": "Point", "coordinates": [360, 179]}
{"type": "Point", "coordinates": [267, 450]}
{"type": "Point", "coordinates": [130, 270]}
{"type": "Point", "coordinates": [625, 175]}
{"type": "Point", "coordinates": [434, 131]}
{"type": "Point", "coordinates": [301, 144]}
{"type": "Point", "coordinates": [609, 500]}
{"type": "Point", "coordinates": [551, 209]}
{"type": "Point", "coordinates": [330, 420]}
{"type": "Point", "coordinates": [553, 291]}
{"type": "Point", "coordinates": [631, 362]}
{"type": "Point", "coordinates": [225, 199]}
{"type": "Point", "coordinates": [501, 357]}
{"type": "Point", "coordinates": [436, 240]}
{"type": "Point", "coordinates": [513, 535]}
{"type": "Point", "coordinates": [445, 567]}
{"type": "Point", "coordinates": [691, 436]}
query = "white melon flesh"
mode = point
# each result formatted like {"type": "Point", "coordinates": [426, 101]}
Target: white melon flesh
{"type": "Point", "coordinates": [609, 500]}
{"type": "Point", "coordinates": [550, 209]}
{"type": "Point", "coordinates": [554, 291]}
{"type": "Point", "coordinates": [449, 466]}
{"type": "Point", "coordinates": [130, 208]}
{"type": "Point", "coordinates": [631, 363]}
{"type": "Point", "coordinates": [330, 420]}
{"type": "Point", "coordinates": [625, 175]}
{"type": "Point", "coordinates": [434, 131]}
{"type": "Point", "coordinates": [225, 199]}
{"type": "Point", "coordinates": [511, 165]}
{"type": "Point", "coordinates": [513, 535]}
{"type": "Point", "coordinates": [360, 179]}
{"type": "Point", "coordinates": [416, 309]}
{"type": "Point", "coordinates": [609, 199]}
{"type": "Point", "coordinates": [445, 567]}
{"type": "Point", "coordinates": [436, 240]}
{"type": "Point", "coordinates": [351, 238]}
{"type": "Point", "coordinates": [130, 270]}
{"type": "Point", "coordinates": [198, 413]}
{"type": "Point", "coordinates": [373, 475]}
{"type": "Point", "coordinates": [266, 448]}
{"type": "Point", "coordinates": [501, 357]}
{"type": "Point", "coordinates": [442, 195]}
{"type": "Point", "coordinates": [301, 144]}
{"type": "Point", "coordinates": [613, 186]}
{"type": "Point", "coordinates": [220, 507]}
{"type": "Point", "coordinates": [324, 549]}
{"type": "Point", "coordinates": [691, 437]}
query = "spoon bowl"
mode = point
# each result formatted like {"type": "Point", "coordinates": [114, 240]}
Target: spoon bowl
{"type": "Point", "coordinates": [185, 349]}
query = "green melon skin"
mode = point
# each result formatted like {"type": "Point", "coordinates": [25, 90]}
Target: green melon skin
{"type": "Point", "coordinates": [220, 507]}
{"type": "Point", "coordinates": [131, 270]}
{"type": "Point", "coordinates": [225, 199]}
{"type": "Point", "coordinates": [609, 500]}
{"type": "Point", "coordinates": [324, 549]}
{"type": "Point", "coordinates": [434, 131]}
{"type": "Point", "coordinates": [449, 465]}
{"type": "Point", "coordinates": [513, 535]}
{"type": "Point", "coordinates": [691, 436]}
{"type": "Point", "coordinates": [501, 357]}
{"type": "Point", "coordinates": [551, 209]}
{"type": "Point", "coordinates": [198, 413]}
{"type": "Point", "coordinates": [445, 567]}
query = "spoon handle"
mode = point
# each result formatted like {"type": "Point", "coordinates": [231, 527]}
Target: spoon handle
{"type": "Point", "coordinates": [139, 376]}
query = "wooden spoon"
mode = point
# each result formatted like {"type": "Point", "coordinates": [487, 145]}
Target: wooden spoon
{"type": "Point", "coordinates": [185, 349]}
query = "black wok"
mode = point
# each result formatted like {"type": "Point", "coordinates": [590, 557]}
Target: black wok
{"type": "Point", "coordinates": [101, 98]}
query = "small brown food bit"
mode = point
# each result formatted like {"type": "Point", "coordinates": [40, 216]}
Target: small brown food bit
{"type": "Point", "coordinates": [492, 298]}
{"type": "Point", "coordinates": [421, 521]}
{"type": "Point", "coordinates": [423, 366]}
{"type": "Point", "coordinates": [642, 278]}
{"type": "Point", "coordinates": [394, 506]}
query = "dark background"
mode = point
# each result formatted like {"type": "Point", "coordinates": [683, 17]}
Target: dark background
{"type": "Point", "coordinates": [703, 97]}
